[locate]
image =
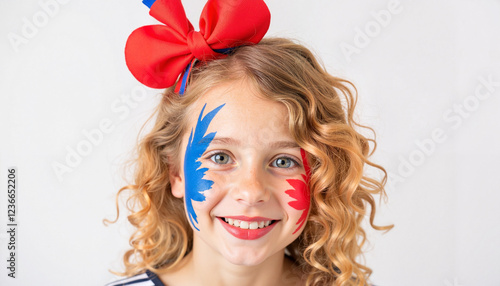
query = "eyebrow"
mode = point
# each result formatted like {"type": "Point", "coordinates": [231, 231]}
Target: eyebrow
{"type": "Point", "coordinates": [235, 142]}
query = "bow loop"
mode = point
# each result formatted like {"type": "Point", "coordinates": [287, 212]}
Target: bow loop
{"type": "Point", "coordinates": [157, 54]}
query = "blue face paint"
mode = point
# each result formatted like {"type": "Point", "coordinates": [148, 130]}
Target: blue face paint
{"type": "Point", "coordinates": [197, 145]}
{"type": "Point", "coordinates": [148, 3]}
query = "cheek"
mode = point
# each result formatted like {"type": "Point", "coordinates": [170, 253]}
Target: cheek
{"type": "Point", "coordinates": [212, 196]}
{"type": "Point", "coordinates": [300, 194]}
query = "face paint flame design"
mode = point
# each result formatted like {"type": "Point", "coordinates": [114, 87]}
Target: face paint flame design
{"type": "Point", "coordinates": [300, 192]}
{"type": "Point", "coordinates": [198, 143]}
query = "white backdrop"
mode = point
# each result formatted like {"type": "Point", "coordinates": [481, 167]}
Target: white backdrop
{"type": "Point", "coordinates": [428, 75]}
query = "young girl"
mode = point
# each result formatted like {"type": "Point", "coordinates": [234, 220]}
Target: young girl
{"type": "Point", "coordinates": [253, 171]}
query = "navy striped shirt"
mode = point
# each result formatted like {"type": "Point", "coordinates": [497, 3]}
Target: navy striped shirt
{"type": "Point", "coordinates": [145, 279]}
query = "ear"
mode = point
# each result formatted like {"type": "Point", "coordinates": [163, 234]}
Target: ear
{"type": "Point", "coordinates": [176, 182]}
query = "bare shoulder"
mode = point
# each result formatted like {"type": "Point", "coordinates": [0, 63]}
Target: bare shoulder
{"type": "Point", "coordinates": [178, 275]}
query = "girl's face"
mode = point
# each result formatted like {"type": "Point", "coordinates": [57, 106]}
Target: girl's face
{"type": "Point", "coordinates": [242, 176]}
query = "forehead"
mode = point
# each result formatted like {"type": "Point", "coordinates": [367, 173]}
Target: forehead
{"type": "Point", "coordinates": [246, 115]}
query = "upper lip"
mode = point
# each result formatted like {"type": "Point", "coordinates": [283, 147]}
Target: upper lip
{"type": "Point", "coordinates": [247, 218]}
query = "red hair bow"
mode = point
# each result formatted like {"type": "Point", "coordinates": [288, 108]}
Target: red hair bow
{"type": "Point", "coordinates": [157, 54]}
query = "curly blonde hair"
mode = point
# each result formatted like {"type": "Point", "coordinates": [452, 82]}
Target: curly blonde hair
{"type": "Point", "coordinates": [320, 108]}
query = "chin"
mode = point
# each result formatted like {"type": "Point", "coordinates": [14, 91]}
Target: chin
{"type": "Point", "coordinates": [246, 257]}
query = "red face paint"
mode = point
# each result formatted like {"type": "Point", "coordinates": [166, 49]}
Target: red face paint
{"type": "Point", "coordinates": [300, 192]}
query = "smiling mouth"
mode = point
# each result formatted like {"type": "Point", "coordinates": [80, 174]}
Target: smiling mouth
{"type": "Point", "coordinates": [248, 224]}
{"type": "Point", "coordinates": [248, 229]}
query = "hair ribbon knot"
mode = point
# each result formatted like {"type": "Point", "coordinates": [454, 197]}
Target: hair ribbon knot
{"type": "Point", "coordinates": [158, 55]}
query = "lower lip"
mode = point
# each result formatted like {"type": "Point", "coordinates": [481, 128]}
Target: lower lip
{"type": "Point", "coordinates": [246, 234]}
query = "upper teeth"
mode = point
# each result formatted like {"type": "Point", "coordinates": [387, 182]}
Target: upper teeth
{"type": "Point", "coordinates": [247, 224]}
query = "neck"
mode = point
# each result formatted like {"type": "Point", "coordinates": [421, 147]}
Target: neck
{"type": "Point", "coordinates": [208, 267]}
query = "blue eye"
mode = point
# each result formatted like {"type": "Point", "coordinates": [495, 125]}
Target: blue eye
{"type": "Point", "coordinates": [220, 158]}
{"type": "Point", "coordinates": [283, 162]}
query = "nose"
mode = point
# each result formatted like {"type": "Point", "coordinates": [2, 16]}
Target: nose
{"type": "Point", "coordinates": [250, 188]}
